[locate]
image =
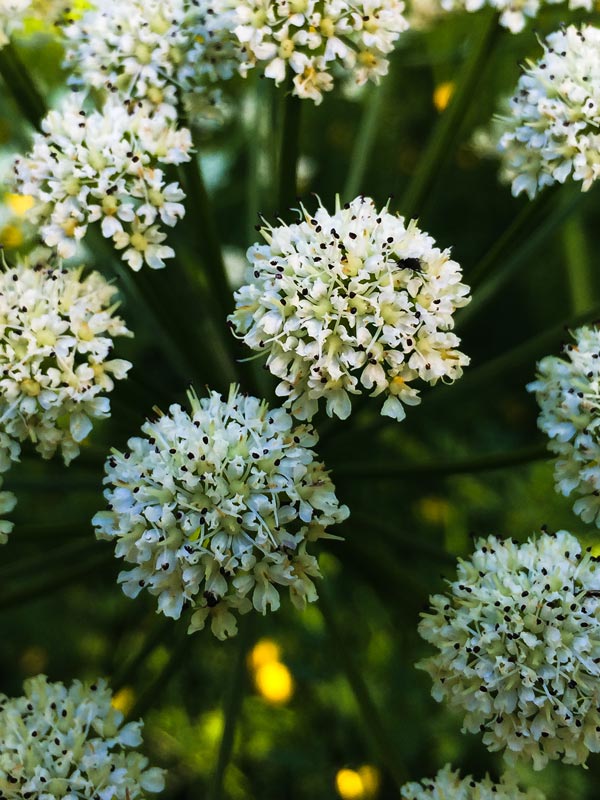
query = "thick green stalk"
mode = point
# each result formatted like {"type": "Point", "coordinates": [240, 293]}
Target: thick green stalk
{"type": "Point", "coordinates": [577, 259]}
{"type": "Point", "coordinates": [289, 145]}
{"type": "Point", "coordinates": [441, 145]}
{"type": "Point", "coordinates": [511, 255]}
{"type": "Point", "coordinates": [393, 470]}
{"type": "Point", "coordinates": [231, 712]}
{"type": "Point", "coordinates": [370, 714]}
{"type": "Point", "coordinates": [21, 86]}
{"type": "Point", "coordinates": [365, 138]}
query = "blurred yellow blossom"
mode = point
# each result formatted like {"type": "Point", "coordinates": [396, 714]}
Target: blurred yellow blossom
{"type": "Point", "coordinates": [19, 204]}
{"type": "Point", "coordinates": [124, 699]}
{"type": "Point", "coordinates": [274, 682]}
{"type": "Point", "coordinates": [442, 94]}
{"type": "Point", "coordinates": [265, 651]}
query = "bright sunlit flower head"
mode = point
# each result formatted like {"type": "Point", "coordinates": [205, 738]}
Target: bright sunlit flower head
{"type": "Point", "coordinates": [216, 508]}
{"type": "Point", "coordinates": [351, 302]}
{"type": "Point", "coordinates": [69, 742]}
{"type": "Point", "coordinates": [56, 364]}
{"type": "Point", "coordinates": [318, 42]}
{"type": "Point", "coordinates": [553, 131]}
{"type": "Point", "coordinates": [108, 167]}
{"type": "Point", "coordinates": [568, 393]}
{"type": "Point", "coordinates": [153, 49]}
{"type": "Point", "coordinates": [518, 641]}
{"type": "Point", "coordinates": [448, 785]}
{"type": "Point", "coordinates": [514, 14]}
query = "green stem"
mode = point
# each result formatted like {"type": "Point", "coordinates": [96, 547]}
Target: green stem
{"type": "Point", "coordinates": [129, 668]}
{"type": "Point", "coordinates": [33, 565]}
{"type": "Point", "coordinates": [370, 714]}
{"type": "Point", "coordinates": [21, 86]}
{"type": "Point", "coordinates": [54, 582]}
{"type": "Point", "coordinates": [393, 470]}
{"type": "Point", "coordinates": [288, 149]}
{"type": "Point", "coordinates": [232, 708]}
{"type": "Point", "coordinates": [552, 213]}
{"type": "Point", "coordinates": [441, 145]}
{"type": "Point", "coordinates": [365, 139]}
{"type": "Point", "coordinates": [577, 258]}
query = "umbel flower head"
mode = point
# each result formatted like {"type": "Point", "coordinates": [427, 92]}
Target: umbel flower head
{"type": "Point", "coordinates": [13, 14]}
{"type": "Point", "coordinates": [315, 42]}
{"type": "Point", "coordinates": [518, 647]}
{"type": "Point", "coordinates": [56, 367]}
{"type": "Point", "coordinates": [553, 132]}
{"type": "Point", "coordinates": [351, 301]}
{"type": "Point", "coordinates": [106, 166]}
{"type": "Point", "coordinates": [514, 14]}
{"type": "Point", "coordinates": [448, 785]}
{"type": "Point", "coordinates": [69, 742]}
{"type": "Point", "coordinates": [568, 393]}
{"type": "Point", "coordinates": [153, 49]}
{"type": "Point", "coordinates": [216, 508]}
{"type": "Point", "coordinates": [7, 502]}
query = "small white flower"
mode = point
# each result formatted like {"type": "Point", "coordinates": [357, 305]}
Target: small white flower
{"type": "Point", "coordinates": [216, 508]}
{"type": "Point", "coordinates": [151, 48]}
{"type": "Point", "coordinates": [13, 14]}
{"type": "Point", "coordinates": [7, 502]}
{"type": "Point", "coordinates": [518, 648]}
{"type": "Point", "coordinates": [514, 14]}
{"type": "Point", "coordinates": [56, 362]}
{"type": "Point", "coordinates": [448, 785]}
{"type": "Point", "coordinates": [350, 302]}
{"type": "Point", "coordinates": [104, 166]}
{"type": "Point", "coordinates": [58, 742]}
{"type": "Point", "coordinates": [553, 131]}
{"type": "Point", "coordinates": [568, 393]}
{"type": "Point", "coordinates": [319, 42]}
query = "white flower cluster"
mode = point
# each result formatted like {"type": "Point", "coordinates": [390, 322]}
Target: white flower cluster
{"type": "Point", "coordinates": [217, 507]}
{"type": "Point", "coordinates": [105, 166]}
{"type": "Point", "coordinates": [11, 17]}
{"type": "Point", "coordinates": [152, 48]}
{"type": "Point", "coordinates": [7, 502]}
{"type": "Point", "coordinates": [448, 785]}
{"type": "Point", "coordinates": [518, 640]}
{"type": "Point", "coordinates": [514, 14]}
{"type": "Point", "coordinates": [58, 742]}
{"type": "Point", "coordinates": [314, 40]}
{"type": "Point", "coordinates": [553, 131]}
{"type": "Point", "coordinates": [568, 393]}
{"type": "Point", "coordinates": [351, 301]}
{"type": "Point", "coordinates": [57, 330]}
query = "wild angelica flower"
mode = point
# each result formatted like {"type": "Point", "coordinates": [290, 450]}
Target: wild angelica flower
{"type": "Point", "coordinates": [106, 166]}
{"type": "Point", "coordinates": [568, 393]}
{"type": "Point", "coordinates": [514, 14]}
{"type": "Point", "coordinates": [152, 48]}
{"type": "Point", "coordinates": [553, 131]}
{"type": "Point", "coordinates": [69, 742]}
{"type": "Point", "coordinates": [448, 785]}
{"type": "Point", "coordinates": [351, 301]}
{"type": "Point", "coordinates": [56, 368]}
{"type": "Point", "coordinates": [317, 42]}
{"type": "Point", "coordinates": [518, 641]}
{"type": "Point", "coordinates": [7, 502]}
{"type": "Point", "coordinates": [216, 509]}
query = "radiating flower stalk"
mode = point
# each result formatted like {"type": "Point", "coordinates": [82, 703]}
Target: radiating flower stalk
{"type": "Point", "coordinates": [217, 508]}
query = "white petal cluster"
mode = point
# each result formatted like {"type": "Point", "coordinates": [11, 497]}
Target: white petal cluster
{"type": "Point", "coordinates": [216, 509]}
{"type": "Point", "coordinates": [152, 49]}
{"type": "Point", "coordinates": [12, 13]}
{"type": "Point", "coordinates": [316, 41]}
{"type": "Point", "coordinates": [518, 641]}
{"type": "Point", "coordinates": [448, 785]}
{"type": "Point", "coordinates": [7, 502]}
{"type": "Point", "coordinates": [568, 393]}
{"type": "Point", "coordinates": [58, 742]}
{"type": "Point", "coordinates": [553, 131]}
{"type": "Point", "coordinates": [352, 301]}
{"type": "Point", "coordinates": [514, 14]}
{"type": "Point", "coordinates": [109, 167]}
{"type": "Point", "coordinates": [57, 329]}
